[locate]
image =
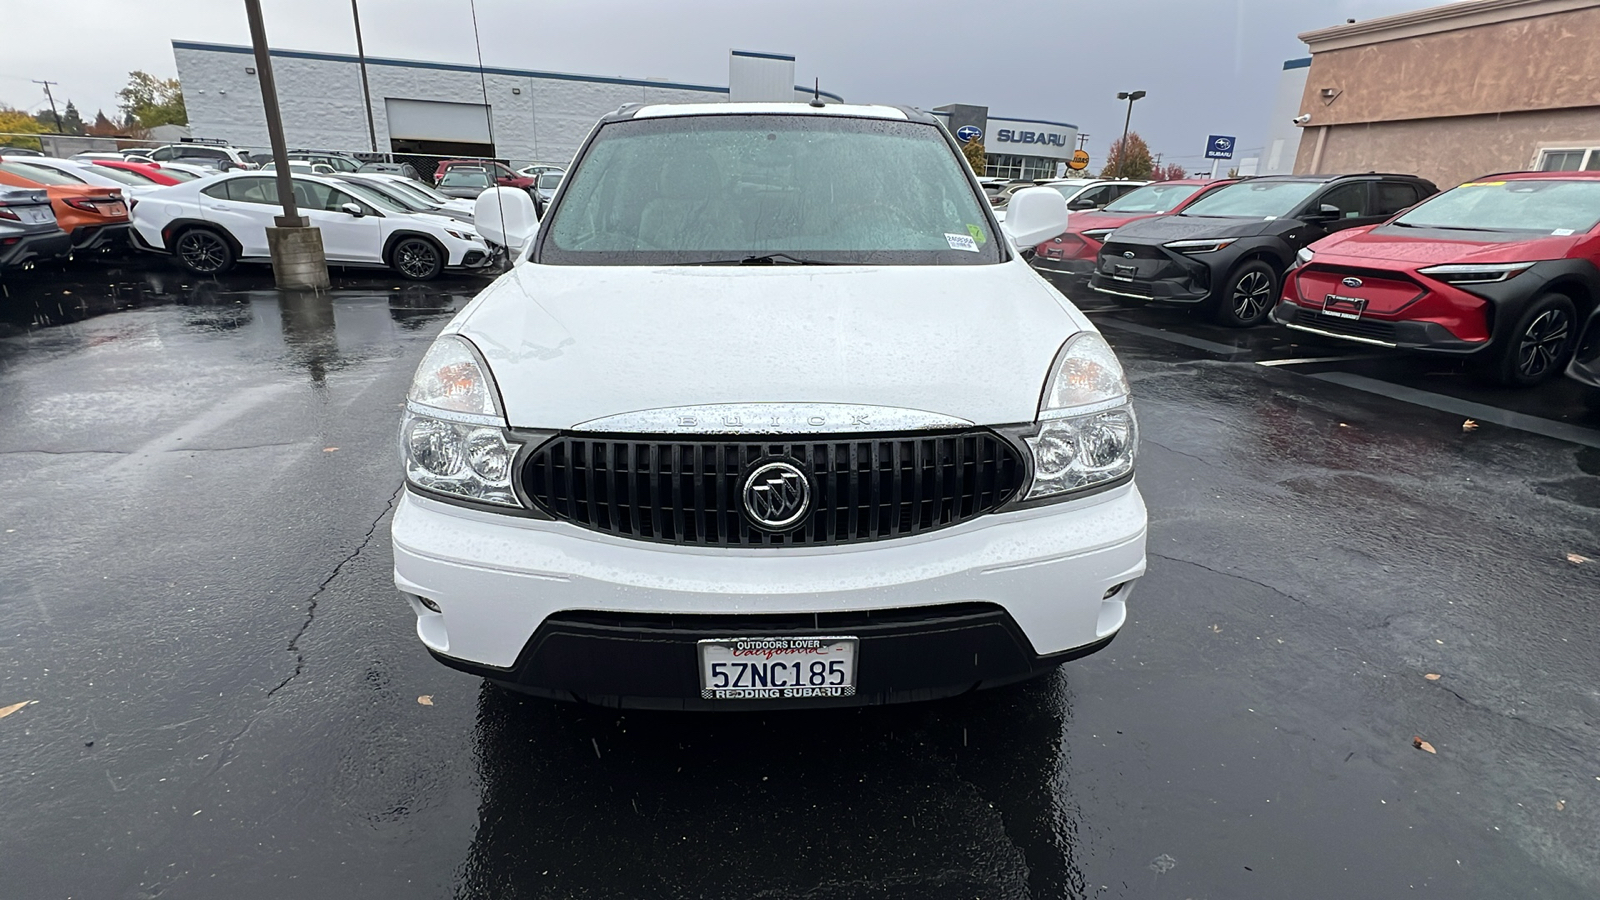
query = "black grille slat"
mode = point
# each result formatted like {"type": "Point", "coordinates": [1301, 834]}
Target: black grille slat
{"type": "Point", "coordinates": [688, 490]}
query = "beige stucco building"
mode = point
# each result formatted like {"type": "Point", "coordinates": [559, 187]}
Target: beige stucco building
{"type": "Point", "coordinates": [1457, 91]}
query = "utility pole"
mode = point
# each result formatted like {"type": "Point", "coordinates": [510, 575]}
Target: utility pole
{"type": "Point", "coordinates": [1083, 138]}
{"type": "Point", "coordinates": [48, 96]}
{"type": "Point", "coordinates": [366, 89]}
{"type": "Point", "coordinates": [298, 259]}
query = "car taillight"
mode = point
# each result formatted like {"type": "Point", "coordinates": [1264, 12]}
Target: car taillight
{"type": "Point", "coordinates": [90, 204]}
{"type": "Point", "coordinates": [8, 214]}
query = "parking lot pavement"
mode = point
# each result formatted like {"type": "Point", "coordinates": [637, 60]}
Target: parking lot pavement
{"type": "Point", "coordinates": [195, 480]}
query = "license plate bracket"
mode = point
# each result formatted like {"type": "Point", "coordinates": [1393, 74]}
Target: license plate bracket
{"type": "Point", "coordinates": [782, 667]}
{"type": "Point", "coordinates": [1343, 307]}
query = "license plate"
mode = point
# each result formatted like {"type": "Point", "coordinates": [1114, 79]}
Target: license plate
{"type": "Point", "coordinates": [1343, 307]}
{"type": "Point", "coordinates": [35, 215]}
{"type": "Point", "coordinates": [777, 668]}
{"type": "Point", "coordinates": [116, 209]}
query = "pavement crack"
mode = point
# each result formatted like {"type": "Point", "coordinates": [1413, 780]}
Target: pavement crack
{"type": "Point", "coordinates": [64, 452]}
{"type": "Point", "coordinates": [311, 601]}
{"type": "Point", "coordinates": [1247, 580]}
{"type": "Point", "coordinates": [1205, 462]}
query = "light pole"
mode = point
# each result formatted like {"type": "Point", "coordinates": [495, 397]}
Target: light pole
{"type": "Point", "coordinates": [366, 89]}
{"type": "Point", "coordinates": [1122, 152]}
{"type": "Point", "coordinates": [298, 260]}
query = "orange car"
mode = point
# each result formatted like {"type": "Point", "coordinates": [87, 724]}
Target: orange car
{"type": "Point", "coordinates": [95, 217]}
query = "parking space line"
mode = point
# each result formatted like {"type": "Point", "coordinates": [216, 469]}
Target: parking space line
{"type": "Point", "coordinates": [1561, 431]}
{"type": "Point", "coordinates": [1197, 343]}
{"type": "Point", "coordinates": [1314, 359]}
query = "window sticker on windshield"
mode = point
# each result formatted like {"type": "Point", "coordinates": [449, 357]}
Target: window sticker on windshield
{"type": "Point", "coordinates": [977, 233]}
{"type": "Point", "coordinates": [961, 242]}
{"type": "Point", "coordinates": [1484, 184]}
{"type": "Point", "coordinates": [1562, 232]}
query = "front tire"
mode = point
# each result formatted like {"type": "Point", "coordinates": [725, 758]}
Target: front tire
{"type": "Point", "coordinates": [203, 252]}
{"type": "Point", "coordinates": [1247, 295]}
{"type": "Point", "coordinates": [417, 259]}
{"type": "Point", "coordinates": [1538, 346]}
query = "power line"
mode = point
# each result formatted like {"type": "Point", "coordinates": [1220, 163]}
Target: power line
{"type": "Point", "coordinates": [48, 96]}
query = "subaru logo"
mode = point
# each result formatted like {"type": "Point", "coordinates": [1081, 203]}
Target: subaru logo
{"type": "Point", "coordinates": [776, 495]}
{"type": "Point", "coordinates": [969, 133]}
{"type": "Point", "coordinates": [1127, 254]}
{"type": "Point", "coordinates": [1351, 282]}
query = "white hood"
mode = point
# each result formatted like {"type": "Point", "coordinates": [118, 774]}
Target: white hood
{"type": "Point", "coordinates": [567, 344]}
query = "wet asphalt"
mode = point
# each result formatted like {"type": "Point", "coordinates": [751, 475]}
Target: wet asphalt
{"type": "Point", "coordinates": [195, 485]}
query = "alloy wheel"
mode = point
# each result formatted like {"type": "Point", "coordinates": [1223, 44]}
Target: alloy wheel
{"type": "Point", "coordinates": [1543, 343]}
{"type": "Point", "coordinates": [415, 259]}
{"type": "Point", "coordinates": [1250, 295]}
{"type": "Point", "coordinates": [202, 251]}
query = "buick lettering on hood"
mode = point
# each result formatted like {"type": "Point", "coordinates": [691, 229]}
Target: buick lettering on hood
{"type": "Point", "coordinates": [767, 412]}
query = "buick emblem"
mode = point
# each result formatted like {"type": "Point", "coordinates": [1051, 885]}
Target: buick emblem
{"type": "Point", "coordinates": [1351, 282]}
{"type": "Point", "coordinates": [1127, 254]}
{"type": "Point", "coordinates": [776, 495]}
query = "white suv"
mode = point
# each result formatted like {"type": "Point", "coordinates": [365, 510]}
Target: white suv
{"type": "Point", "coordinates": [769, 412]}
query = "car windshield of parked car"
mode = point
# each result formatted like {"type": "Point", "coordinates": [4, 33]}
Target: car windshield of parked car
{"type": "Point", "coordinates": [412, 194]}
{"type": "Point", "coordinates": [426, 191]}
{"type": "Point", "coordinates": [178, 174]}
{"type": "Point", "coordinates": [465, 178]}
{"type": "Point", "coordinates": [1254, 199]}
{"type": "Point", "coordinates": [39, 174]}
{"type": "Point", "coordinates": [371, 196]}
{"type": "Point", "coordinates": [768, 188]}
{"type": "Point", "coordinates": [126, 176]}
{"type": "Point", "coordinates": [1536, 206]}
{"type": "Point", "coordinates": [1152, 198]}
{"type": "Point", "coordinates": [549, 181]}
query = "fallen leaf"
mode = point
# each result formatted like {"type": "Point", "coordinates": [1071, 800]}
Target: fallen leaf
{"type": "Point", "coordinates": [329, 449]}
{"type": "Point", "coordinates": [1560, 805]}
{"type": "Point", "coordinates": [1469, 425]}
{"type": "Point", "coordinates": [1420, 744]}
{"type": "Point", "coordinates": [1216, 629]}
{"type": "Point", "coordinates": [426, 699]}
{"type": "Point", "coordinates": [8, 710]}
{"type": "Point", "coordinates": [1432, 676]}
{"type": "Point", "coordinates": [1577, 560]}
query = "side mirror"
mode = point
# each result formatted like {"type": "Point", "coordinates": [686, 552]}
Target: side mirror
{"type": "Point", "coordinates": [1082, 203]}
{"type": "Point", "coordinates": [1327, 212]}
{"type": "Point", "coordinates": [506, 216]}
{"type": "Point", "coordinates": [1035, 215]}
{"type": "Point", "coordinates": [353, 209]}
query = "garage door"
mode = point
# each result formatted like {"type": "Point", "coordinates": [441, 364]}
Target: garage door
{"type": "Point", "coordinates": [433, 120]}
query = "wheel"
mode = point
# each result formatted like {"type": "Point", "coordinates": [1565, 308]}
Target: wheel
{"type": "Point", "coordinates": [1247, 295]}
{"type": "Point", "coordinates": [417, 259]}
{"type": "Point", "coordinates": [204, 252]}
{"type": "Point", "coordinates": [1538, 346]}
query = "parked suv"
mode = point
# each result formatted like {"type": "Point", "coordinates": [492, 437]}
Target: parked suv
{"type": "Point", "coordinates": [770, 412]}
{"type": "Point", "coordinates": [1502, 270]}
{"type": "Point", "coordinates": [1074, 251]}
{"type": "Point", "coordinates": [1227, 252]}
{"type": "Point", "coordinates": [221, 155]}
{"type": "Point", "coordinates": [502, 174]}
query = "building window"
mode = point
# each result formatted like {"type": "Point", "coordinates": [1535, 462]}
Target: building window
{"type": "Point", "coordinates": [1569, 160]}
{"type": "Point", "coordinates": [1014, 167]}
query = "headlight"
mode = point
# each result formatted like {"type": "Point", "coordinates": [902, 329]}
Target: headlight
{"type": "Point", "coordinates": [453, 438]}
{"type": "Point", "coordinates": [1098, 234]}
{"type": "Point", "coordinates": [1197, 246]}
{"type": "Point", "coordinates": [1469, 273]}
{"type": "Point", "coordinates": [462, 235]}
{"type": "Point", "coordinates": [1303, 256]}
{"type": "Point", "coordinates": [1087, 434]}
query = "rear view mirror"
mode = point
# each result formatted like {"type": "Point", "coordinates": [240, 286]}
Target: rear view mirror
{"type": "Point", "coordinates": [353, 209]}
{"type": "Point", "coordinates": [1035, 215]}
{"type": "Point", "coordinates": [506, 216]}
{"type": "Point", "coordinates": [1325, 212]}
{"type": "Point", "coordinates": [1082, 204]}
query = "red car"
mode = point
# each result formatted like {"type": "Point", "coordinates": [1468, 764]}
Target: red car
{"type": "Point", "coordinates": [504, 176]}
{"type": "Point", "coordinates": [1503, 271]}
{"type": "Point", "coordinates": [147, 173]}
{"type": "Point", "coordinates": [1074, 251]}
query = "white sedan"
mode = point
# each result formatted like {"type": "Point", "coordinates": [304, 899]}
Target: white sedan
{"type": "Point", "coordinates": [210, 225]}
{"type": "Point", "coordinates": [86, 172]}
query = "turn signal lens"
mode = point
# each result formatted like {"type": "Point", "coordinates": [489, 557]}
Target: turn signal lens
{"type": "Point", "coordinates": [452, 377]}
{"type": "Point", "coordinates": [1085, 376]}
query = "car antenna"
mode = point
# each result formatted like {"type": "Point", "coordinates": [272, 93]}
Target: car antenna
{"type": "Point", "coordinates": [816, 93]}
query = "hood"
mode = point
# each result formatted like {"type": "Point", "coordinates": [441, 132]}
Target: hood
{"type": "Point", "coordinates": [567, 344]}
{"type": "Point", "coordinates": [1092, 221]}
{"type": "Point", "coordinates": [1161, 229]}
{"type": "Point", "coordinates": [1427, 247]}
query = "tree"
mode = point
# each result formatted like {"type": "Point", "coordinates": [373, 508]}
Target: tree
{"type": "Point", "coordinates": [149, 101]}
{"type": "Point", "coordinates": [1169, 172]}
{"type": "Point", "coordinates": [976, 156]}
{"type": "Point", "coordinates": [71, 121]}
{"type": "Point", "coordinates": [1138, 164]}
{"type": "Point", "coordinates": [14, 122]}
{"type": "Point", "coordinates": [102, 126]}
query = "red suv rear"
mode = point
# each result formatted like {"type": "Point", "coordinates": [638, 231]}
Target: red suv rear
{"type": "Point", "coordinates": [1074, 251]}
{"type": "Point", "coordinates": [1502, 270]}
{"type": "Point", "coordinates": [504, 176]}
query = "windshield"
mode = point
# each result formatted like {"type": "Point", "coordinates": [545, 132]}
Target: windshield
{"type": "Point", "coordinates": [373, 197]}
{"type": "Point", "coordinates": [425, 190]}
{"type": "Point", "coordinates": [1153, 198]}
{"type": "Point", "coordinates": [465, 178]}
{"type": "Point", "coordinates": [1542, 206]}
{"type": "Point", "coordinates": [178, 174]}
{"type": "Point", "coordinates": [550, 180]}
{"type": "Point", "coordinates": [813, 188]}
{"type": "Point", "coordinates": [1067, 189]}
{"type": "Point", "coordinates": [125, 176]}
{"type": "Point", "coordinates": [401, 189]}
{"type": "Point", "coordinates": [1254, 199]}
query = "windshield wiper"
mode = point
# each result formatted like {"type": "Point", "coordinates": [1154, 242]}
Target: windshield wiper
{"type": "Point", "coordinates": [761, 259]}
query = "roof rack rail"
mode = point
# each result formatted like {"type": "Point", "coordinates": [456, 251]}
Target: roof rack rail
{"type": "Point", "coordinates": [215, 142]}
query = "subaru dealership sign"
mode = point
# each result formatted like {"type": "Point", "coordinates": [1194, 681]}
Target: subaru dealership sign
{"type": "Point", "coordinates": [967, 133]}
{"type": "Point", "coordinates": [1219, 146]}
{"type": "Point", "coordinates": [1032, 137]}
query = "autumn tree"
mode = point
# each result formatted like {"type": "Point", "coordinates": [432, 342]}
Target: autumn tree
{"type": "Point", "coordinates": [1138, 164]}
{"type": "Point", "coordinates": [149, 101]}
{"type": "Point", "coordinates": [976, 156]}
{"type": "Point", "coordinates": [14, 122]}
{"type": "Point", "coordinates": [1169, 172]}
{"type": "Point", "coordinates": [102, 126]}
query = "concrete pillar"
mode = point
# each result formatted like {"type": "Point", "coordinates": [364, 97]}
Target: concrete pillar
{"type": "Point", "coordinates": [298, 262]}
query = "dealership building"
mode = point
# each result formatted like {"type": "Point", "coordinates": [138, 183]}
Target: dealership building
{"type": "Point", "coordinates": [1017, 148]}
{"type": "Point", "coordinates": [1454, 92]}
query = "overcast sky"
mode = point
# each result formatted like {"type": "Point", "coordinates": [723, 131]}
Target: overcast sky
{"type": "Point", "coordinates": [1210, 66]}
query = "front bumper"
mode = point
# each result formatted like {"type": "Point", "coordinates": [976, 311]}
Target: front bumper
{"type": "Point", "coordinates": [1153, 273]}
{"type": "Point", "coordinates": [1077, 268]}
{"type": "Point", "coordinates": [1397, 334]}
{"type": "Point", "coordinates": [31, 248]}
{"type": "Point", "coordinates": [575, 614]}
